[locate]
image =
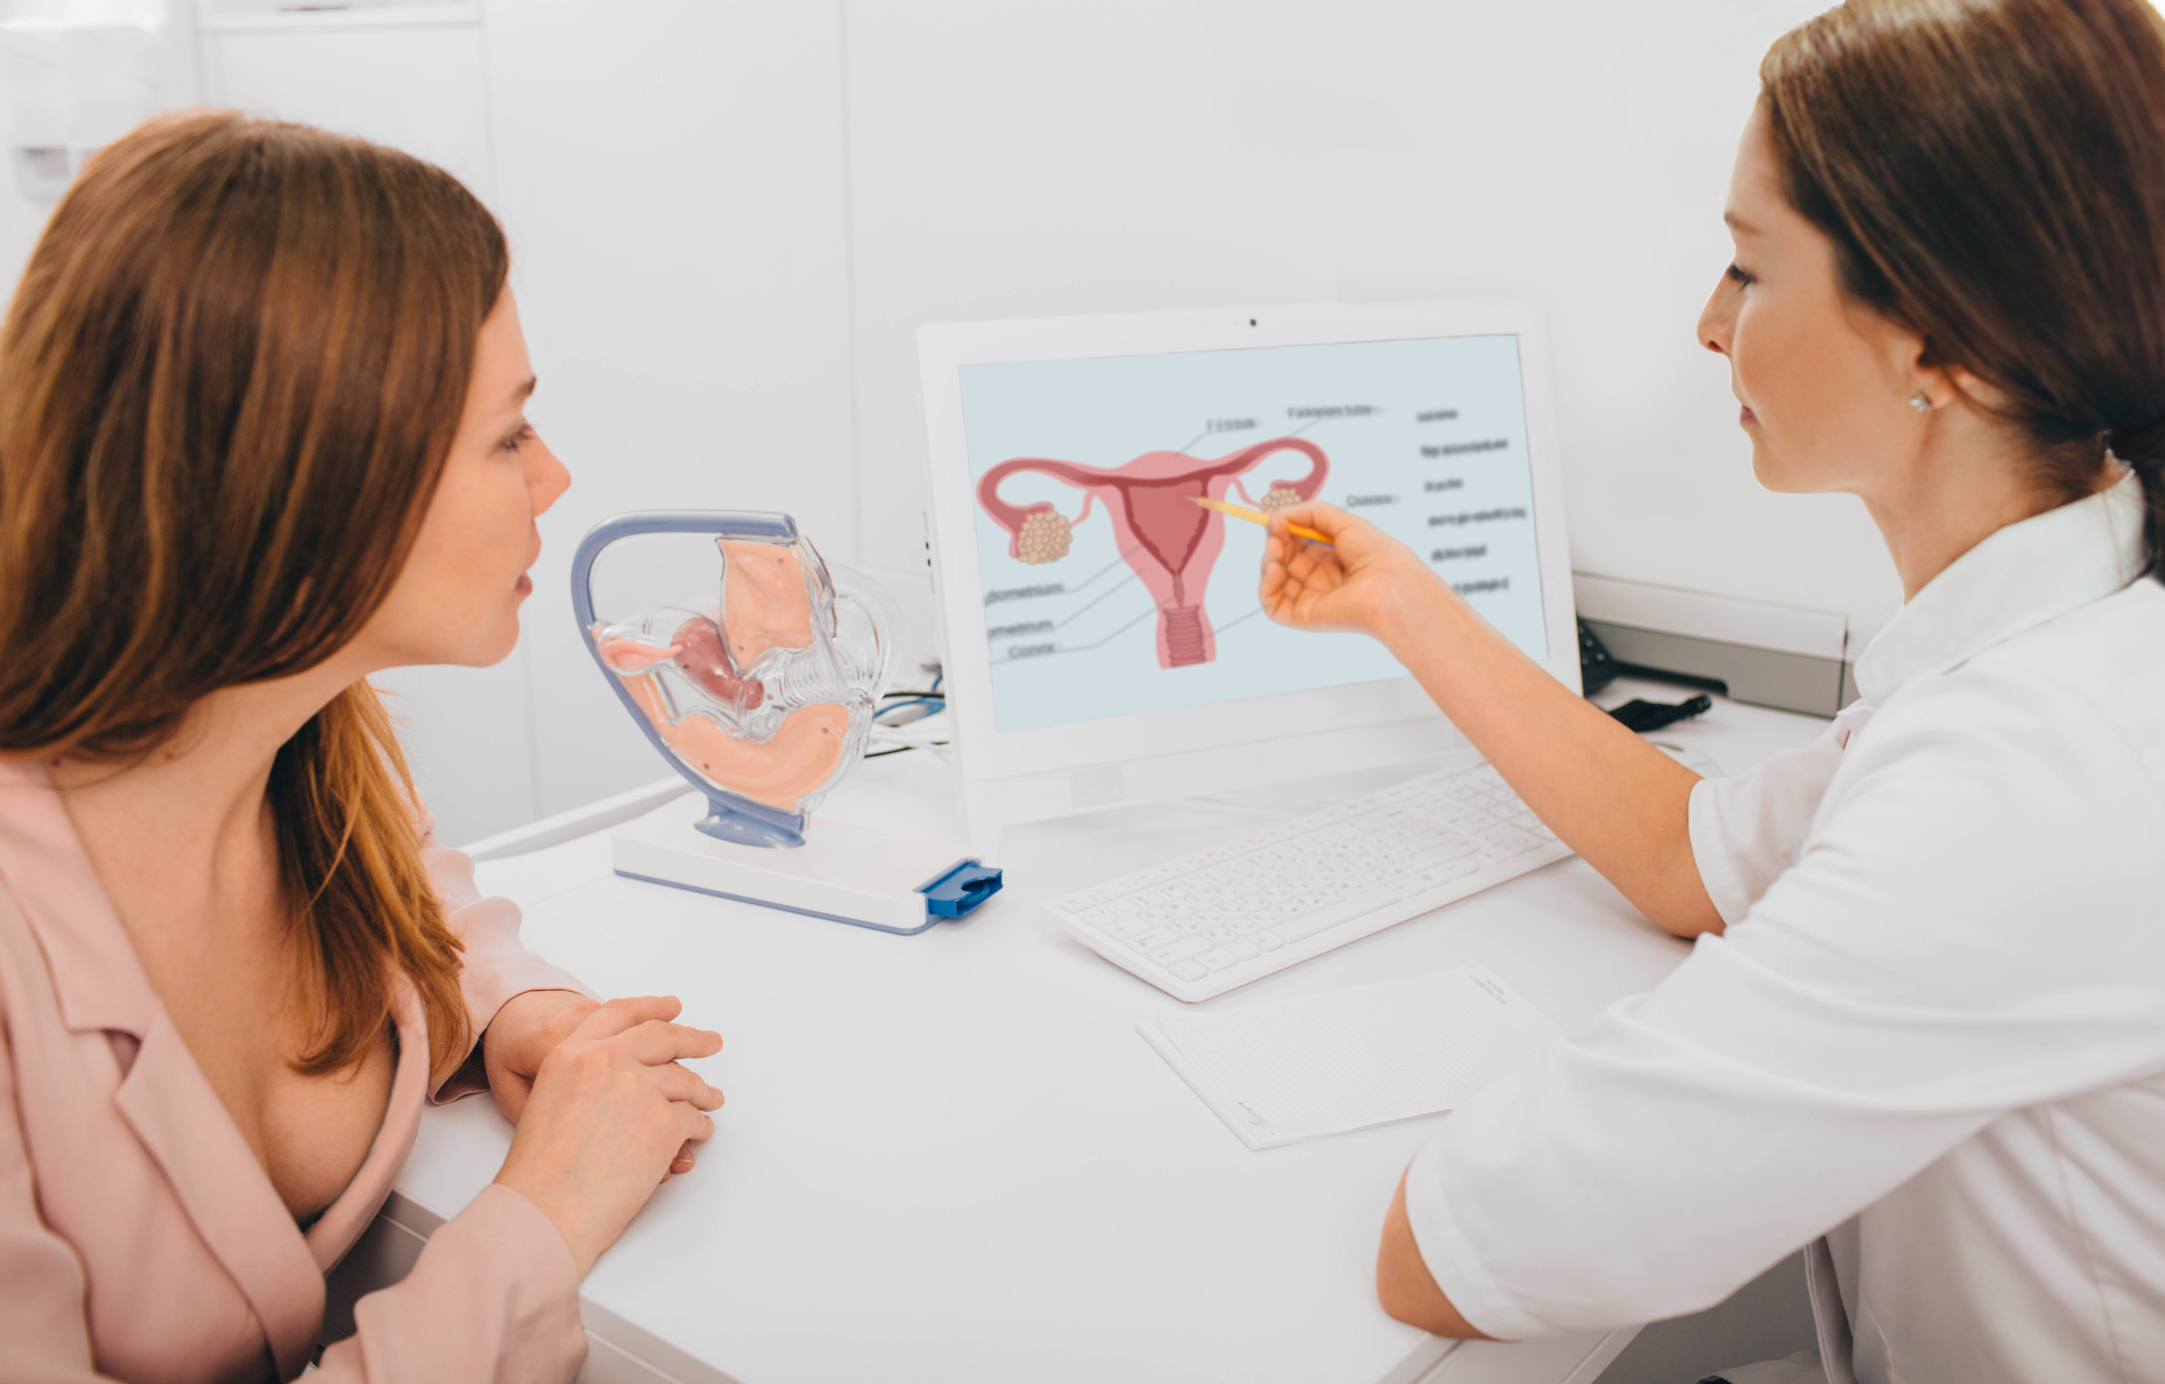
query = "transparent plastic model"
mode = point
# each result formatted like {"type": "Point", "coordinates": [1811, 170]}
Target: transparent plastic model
{"type": "Point", "coordinates": [760, 690]}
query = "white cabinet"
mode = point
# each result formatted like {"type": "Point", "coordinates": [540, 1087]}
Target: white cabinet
{"type": "Point", "coordinates": [411, 76]}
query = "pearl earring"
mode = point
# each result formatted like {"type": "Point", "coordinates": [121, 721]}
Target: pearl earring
{"type": "Point", "coordinates": [1920, 403]}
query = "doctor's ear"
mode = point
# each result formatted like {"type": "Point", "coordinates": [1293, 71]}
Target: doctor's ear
{"type": "Point", "coordinates": [1943, 385]}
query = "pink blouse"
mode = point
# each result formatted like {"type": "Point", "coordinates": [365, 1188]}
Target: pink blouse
{"type": "Point", "coordinates": [139, 1237]}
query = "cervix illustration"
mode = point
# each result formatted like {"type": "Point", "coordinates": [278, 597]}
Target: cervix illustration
{"type": "Point", "coordinates": [1169, 541]}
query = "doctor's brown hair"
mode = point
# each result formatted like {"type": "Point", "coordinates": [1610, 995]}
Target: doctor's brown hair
{"type": "Point", "coordinates": [1992, 174]}
{"type": "Point", "coordinates": [228, 382]}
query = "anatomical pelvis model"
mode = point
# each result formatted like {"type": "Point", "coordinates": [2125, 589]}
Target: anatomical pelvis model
{"type": "Point", "coordinates": [1171, 543]}
{"type": "Point", "coordinates": [763, 698]}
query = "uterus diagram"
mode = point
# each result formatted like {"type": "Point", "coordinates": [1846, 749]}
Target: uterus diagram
{"type": "Point", "coordinates": [1171, 542]}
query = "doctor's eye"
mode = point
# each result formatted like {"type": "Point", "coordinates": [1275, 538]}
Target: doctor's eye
{"type": "Point", "coordinates": [1737, 275]}
{"type": "Point", "coordinates": [524, 435]}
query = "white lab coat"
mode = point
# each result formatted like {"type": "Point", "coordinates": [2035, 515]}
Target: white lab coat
{"type": "Point", "coordinates": [1930, 1044]}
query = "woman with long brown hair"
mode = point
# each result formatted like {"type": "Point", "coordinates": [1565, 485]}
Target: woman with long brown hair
{"type": "Point", "coordinates": [261, 436]}
{"type": "Point", "coordinates": [1922, 1030]}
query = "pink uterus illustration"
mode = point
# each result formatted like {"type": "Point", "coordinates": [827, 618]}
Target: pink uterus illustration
{"type": "Point", "coordinates": [1171, 542]}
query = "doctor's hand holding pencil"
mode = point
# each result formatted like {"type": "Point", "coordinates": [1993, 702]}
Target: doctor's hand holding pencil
{"type": "Point", "coordinates": [1349, 575]}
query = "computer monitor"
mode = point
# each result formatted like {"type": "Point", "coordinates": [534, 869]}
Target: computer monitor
{"type": "Point", "coordinates": [1102, 637]}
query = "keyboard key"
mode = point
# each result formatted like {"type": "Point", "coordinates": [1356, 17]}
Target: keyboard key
{"type": "Point", "coordinates": [1181, 950]}
{"type": "Point", "coordinates": [1121, 929]}
{"type": "Point", "coordinates": [1244, 949]}
{"type": "Point", "coordinates": [1188, 970]}
{"type": "Point", "coordinates": [1075, 904]}
{"type": "Point", "coordinates": [1153, 939]}
{"type": "Point", "coordinates": [1216, 960]}
{"type": "Point", "coordinates": [1265, 941]}
{"type": "Point", "coordinates": [1310, 924]}
{"type": "Point", "coordinates": [1442, 855]}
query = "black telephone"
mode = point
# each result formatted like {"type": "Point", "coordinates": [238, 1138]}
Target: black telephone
{"type": "Point", "coordinates": [1598, 668]}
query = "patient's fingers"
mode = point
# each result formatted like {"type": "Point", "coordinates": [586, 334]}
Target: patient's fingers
{"type": "Point", "coordinates": [615, 1016]}
{"type": "Point", "coordinates": [656, 1042]}
{"type": "Point", "coordinates": [682, 1083]}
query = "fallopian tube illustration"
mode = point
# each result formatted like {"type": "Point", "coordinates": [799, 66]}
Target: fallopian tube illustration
{"type": "Point", "coordinates": [1171, 543]}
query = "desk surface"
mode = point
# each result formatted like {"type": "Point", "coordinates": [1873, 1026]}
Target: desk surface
{"type": "Point", "coordinates": [951, 1157]}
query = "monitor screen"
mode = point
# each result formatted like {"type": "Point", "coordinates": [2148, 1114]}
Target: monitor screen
{"type": "Point", "coordinates": [1107, 592]}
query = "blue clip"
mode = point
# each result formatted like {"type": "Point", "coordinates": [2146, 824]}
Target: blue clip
{"type": "Point", "coordinates": [961, 889]}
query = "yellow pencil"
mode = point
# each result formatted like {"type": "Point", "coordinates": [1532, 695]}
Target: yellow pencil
{"type": "Point", "coordinates": [1256, 516]}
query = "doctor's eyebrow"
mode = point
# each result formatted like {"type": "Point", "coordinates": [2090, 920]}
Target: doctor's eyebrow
{"type": "Point", "coordinates": [1735, 223]}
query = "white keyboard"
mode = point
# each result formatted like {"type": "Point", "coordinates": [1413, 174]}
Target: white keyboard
{"type": "Point", "coordinates": [1200, 926]}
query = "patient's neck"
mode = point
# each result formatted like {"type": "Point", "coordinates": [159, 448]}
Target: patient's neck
{"type": "Point", "coordinates": [189, 820]}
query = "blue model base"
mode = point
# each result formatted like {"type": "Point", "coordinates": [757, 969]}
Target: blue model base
{"type": "Point", "coordinates": [952, 895]}
{"type": "Point", "coordinates": [740, 820]}
{"type": "Point", "coordinates": [960, 889]}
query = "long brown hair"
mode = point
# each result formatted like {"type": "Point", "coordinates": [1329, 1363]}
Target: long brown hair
{"type": "Point", "coordinates": [1992, 174]}
{"type": "Point", "coordinates": [228, 382]}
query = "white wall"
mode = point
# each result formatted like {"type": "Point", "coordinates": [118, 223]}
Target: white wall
{"type": "Point", "coordinates": [671, 174]}
{"type": "Point", "coordinates": [1012, 160]}
{"type": "Point", "coordinates": [728, 219]}
{"type": "Point", "coordinates": [76, 74]}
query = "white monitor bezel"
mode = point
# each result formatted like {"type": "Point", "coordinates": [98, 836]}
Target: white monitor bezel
{"type": "Point", "coordinates": [984, 755]}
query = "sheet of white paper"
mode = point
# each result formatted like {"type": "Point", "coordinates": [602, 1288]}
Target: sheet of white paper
{"type": "Point", "coordinates": [1288, 1070]}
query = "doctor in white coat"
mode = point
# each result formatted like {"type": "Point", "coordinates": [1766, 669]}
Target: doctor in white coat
{"type": "Point", "coordinates": [1922, 1031]}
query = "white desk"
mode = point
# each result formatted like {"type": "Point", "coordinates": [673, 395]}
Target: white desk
{"type": "Point", "coordinates": [950, 1157]}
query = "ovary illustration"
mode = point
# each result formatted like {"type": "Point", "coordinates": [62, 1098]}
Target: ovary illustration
{"type": "Point", "coordinates": [1170, 542]}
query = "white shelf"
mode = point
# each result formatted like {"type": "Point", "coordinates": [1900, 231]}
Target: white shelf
{"type": "Point", "coordinates": [285, 16]}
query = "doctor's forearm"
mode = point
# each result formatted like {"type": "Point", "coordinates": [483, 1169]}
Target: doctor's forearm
{"type": "Point", "coordinates": [1404, 1285]}
{"type": "Point", "coordinates": [1613, 798]}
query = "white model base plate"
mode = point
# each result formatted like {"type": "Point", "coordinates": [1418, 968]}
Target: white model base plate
{"type": "Point", "coordinates": [843, 872]}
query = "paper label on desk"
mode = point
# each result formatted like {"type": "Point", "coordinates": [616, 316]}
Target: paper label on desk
{"type": "Point", "coordinates": [1287, 1070]}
